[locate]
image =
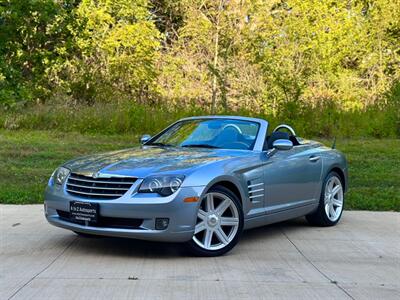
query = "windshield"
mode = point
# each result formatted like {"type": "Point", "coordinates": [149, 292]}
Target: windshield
{"type": "Point", "coordinates": [210, 133]}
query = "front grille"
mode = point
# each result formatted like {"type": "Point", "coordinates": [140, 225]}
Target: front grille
{"type": "Point", "coordinates": [98, 188]}
{"type": "Point", "coordinates": [105, 222]}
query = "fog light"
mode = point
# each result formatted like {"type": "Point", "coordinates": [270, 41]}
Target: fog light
{"type": "Point", "coordinates": [162, 223]}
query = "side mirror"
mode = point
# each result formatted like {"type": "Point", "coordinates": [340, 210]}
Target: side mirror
{"type": "Point", "coordinates": [282, 144]}
{"type": "Point", "coordinates": [145, 138]}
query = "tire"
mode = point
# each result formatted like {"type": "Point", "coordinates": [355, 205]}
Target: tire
{"type": "Point", "coordinates": [332, 195]}
{"type": "Point", "coordinates": [211, 237]}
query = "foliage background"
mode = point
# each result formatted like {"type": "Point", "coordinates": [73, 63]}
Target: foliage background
{"type": "Point", "coordinates": [82, 76]}
{"type": "Point", "coordinates": [326, 67]}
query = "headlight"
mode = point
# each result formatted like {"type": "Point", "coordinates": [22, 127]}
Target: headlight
{"type": "Point", "coordinates": [163, 185]}
{"type": "Point", "coordinates": [60, 175]}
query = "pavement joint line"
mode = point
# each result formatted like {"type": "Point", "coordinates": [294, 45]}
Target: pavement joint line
{"type": "Point", "coordinates": [44, 269]}
{"type": "Point", "coordinates": [347, 284]}
{"type": "Point", "coordinates": [172, 279]}
{"type": "Point", "coordinates": [315, 267]}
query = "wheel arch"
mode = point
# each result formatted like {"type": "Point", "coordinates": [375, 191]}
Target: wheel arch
{"type": "Point", "coordinates": [230, 183]}
{"type": "Point", "coordinates": [230, 186]}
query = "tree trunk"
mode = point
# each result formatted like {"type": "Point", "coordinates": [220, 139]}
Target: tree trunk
{"type": "Point", "coordinates": [215, 63]}
{"type": "Point", "coordinates": [215, 79]}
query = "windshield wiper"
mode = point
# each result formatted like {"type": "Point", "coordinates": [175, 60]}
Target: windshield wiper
{"type": "Point", "coordinates": [200, 146]}
{"type": "Point", "coordinates": [160, 144]}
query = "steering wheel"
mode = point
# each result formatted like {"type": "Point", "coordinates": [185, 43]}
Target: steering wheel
{"type": "Point", "coordinates": [284, 126]}
{"type": "Point", "coordinates": [234, 126]}
{"type": "Point", "coordinates": [234, 144]}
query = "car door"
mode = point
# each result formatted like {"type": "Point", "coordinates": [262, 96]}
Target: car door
{"type": "Point", "coordinates": [292, 178]}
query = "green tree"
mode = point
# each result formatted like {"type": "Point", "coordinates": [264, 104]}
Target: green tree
{"type": "Point", "coordinates": [207, 59]}
{"type": "Point", "coordinates": [317, 51]}
{"type": "Point", "coordinates": [31, 34]}
{"type": "Point", "coordinates": [118, 46]}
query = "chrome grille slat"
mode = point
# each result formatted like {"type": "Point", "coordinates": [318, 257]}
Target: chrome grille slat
{"type": "Point", "coordinates": [93, 194]}
{"type": "Point", "coordinates": [102, 181]}
{"type": "Point", "coordinates": [255, 191]}
{"type": "Point", "coordinates": [254, 185]}
{"type": "Point", "coordinates": [256, 196]}
{"type": "Point", "coordinates": [98, 188]}
{"type": "Point", "coordinates": [105, 185]}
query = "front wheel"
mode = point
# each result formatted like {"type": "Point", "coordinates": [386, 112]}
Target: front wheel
{"type": "Point", "coordinates": [331, 202]}
{"type": "Point", "coordinates": [219, 223]}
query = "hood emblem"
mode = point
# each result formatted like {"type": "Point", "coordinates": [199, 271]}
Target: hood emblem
{"type": "Point", "coordinates": [96, 175]}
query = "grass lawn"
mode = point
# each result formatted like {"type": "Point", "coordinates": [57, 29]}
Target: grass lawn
{"type": "Point", "coordinates": [27, 159]}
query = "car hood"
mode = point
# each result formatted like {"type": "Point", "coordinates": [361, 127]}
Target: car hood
{"type": "Point", "coordinates": [145, 161]}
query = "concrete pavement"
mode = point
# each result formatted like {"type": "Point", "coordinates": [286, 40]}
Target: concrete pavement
{"type": "Point", "coordinates": [358, 259]}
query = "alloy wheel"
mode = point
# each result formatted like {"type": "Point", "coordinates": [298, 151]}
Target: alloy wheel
{"type": "Point", "coordinates": [333, 201]}
{"type": "Point", "coordinates": [217, 222]}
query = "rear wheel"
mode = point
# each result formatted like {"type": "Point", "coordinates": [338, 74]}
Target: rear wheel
{"type": "Point", "coordinates": [219, 223]}
{"type": "Point", "coordinates": [331, 202]}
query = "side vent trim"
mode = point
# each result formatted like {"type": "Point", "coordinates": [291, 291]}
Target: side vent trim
{"type": "Point", "coordinates": [255, 189]}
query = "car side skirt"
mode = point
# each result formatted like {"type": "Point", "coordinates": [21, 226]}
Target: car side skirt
{"type": "Point", "coordinates": [279, 216]}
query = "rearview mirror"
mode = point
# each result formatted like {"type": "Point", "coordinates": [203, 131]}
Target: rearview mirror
{"type": "Point", "coordinates": [145, 138]}
{"type": "Point", "coordinates": [282, 144]}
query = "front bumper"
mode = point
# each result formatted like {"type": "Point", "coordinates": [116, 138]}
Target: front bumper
{"type": "Point", "coordinates": [143, 207]}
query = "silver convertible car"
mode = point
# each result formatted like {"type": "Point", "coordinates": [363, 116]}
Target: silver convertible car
{"type": "Point", "coordinates": [201, 181]}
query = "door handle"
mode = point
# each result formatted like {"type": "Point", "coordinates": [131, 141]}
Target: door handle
{"type": "Point", "coordinates": [314, 158]}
